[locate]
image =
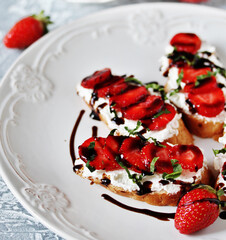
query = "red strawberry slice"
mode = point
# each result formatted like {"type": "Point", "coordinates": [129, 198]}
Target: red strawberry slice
{"type": "Point", "coordinates": [160, 122]}
{"type": "Point", "coordinates": [186, 42]}
{"type": "Point", "coordinates": [208, 104]}
{"type": "Point", "coordinates": [145, 109]}
{"type": "Point", "coordinates": [196, 210]}
{"type": "Point", "coordinates": [99, 160]}
{"type": "Point", "coordinates": [205, 86]}
{"type": "Point", "coordinates": [163, 164]}
{"type": "Point", "coordinates": [189, 156]}
{"type": "Point", "coordinates": [133, 95]}
{"type": "Point", "coordinates": [131, 149]}
{"type": "Point", "coordinates": [190, 74]}
{"type": "Point", "coordinates": [114, 87]}
{"type": "Point", "coordinates": [112, 146]}
{"type": "Point", "coordinates": [96, 78]}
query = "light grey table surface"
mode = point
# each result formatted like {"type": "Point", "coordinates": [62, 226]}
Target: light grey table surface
{"type": "Point", "coordinates": [15, 221]}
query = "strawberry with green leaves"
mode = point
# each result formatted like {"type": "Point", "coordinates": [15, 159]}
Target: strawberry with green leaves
{"type": "Point", "coordinates": [197, 209]}
{"type": "Point", "coordinates": [26, 31]}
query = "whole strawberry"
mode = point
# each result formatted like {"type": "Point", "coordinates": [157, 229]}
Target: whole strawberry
{"type": "Point", "coordinates": [26, 31]}
{"type": "Point", "coordinates": [197, 209]}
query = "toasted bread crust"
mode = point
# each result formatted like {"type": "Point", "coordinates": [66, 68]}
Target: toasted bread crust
{"type": "Point", "coordinates": [183, 136]}
{"type": "Point", "coordinates": [161, 198]}
{"type": "Point", "coordinates": [202, 128]}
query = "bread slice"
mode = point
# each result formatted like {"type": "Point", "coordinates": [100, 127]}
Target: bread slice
{"type": "Point", "coordinates": [175, 131]}
{"type": "Point", "coordinates": [159, 194]}
{"type": "Point", "coordinates": [172, 67]}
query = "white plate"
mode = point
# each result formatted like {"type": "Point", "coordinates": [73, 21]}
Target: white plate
{"type": "Point", "coordinates": [39, 106]}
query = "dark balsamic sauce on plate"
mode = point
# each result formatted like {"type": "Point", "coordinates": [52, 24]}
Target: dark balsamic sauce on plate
{"type": "Point", "coordinates": [72, 138]}
{"type": "Point", "coordinates": [158, 215]}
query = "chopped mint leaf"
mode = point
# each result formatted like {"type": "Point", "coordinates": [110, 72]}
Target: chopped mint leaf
{"type": "Point", "coordinates": [113, 110]}
{"type": "Point", "coordinates": [220, 192]}
{"type": "Point", "coordinates": [155, 86]}
{"type": "Point", "coordinates": [166, 111]}
{"type": "Point", "coordinates": [112, 132]}
{"type": "Point", "coordinates": [223, 150]}
{"type": "Point", "coordinates": [205, 76]}
{"type": "Point", "coordinates": [134, 131]}
{"type": "Point", "coordinates": [157, 143]}
{"type": "Point", "coordinates": [134, 177]}
{"type": "Point", "coordinates": [180, 77]}
{"type": "Point", "coordinates": [92, 155]}
{"type": "Point", "coordinates": [177, 170]}
{"type": "Point", "coordinates": [152, 166]}
{"type": "Point", "coordinates": [92, 169]}
{"type": "Point", "coordinates": [133, 80]}
{"type": "Point", "coordinates": [91, 145]}
{"type": "Point", "coordinates": [179, 80]}
{"type": "Point", "coordinates": [224, 173]}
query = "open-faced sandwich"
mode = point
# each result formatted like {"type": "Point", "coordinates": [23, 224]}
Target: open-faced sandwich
{"type": "Point", "coordinates": [196, 84]}
{"type": "Point", "coordinates": [125, 104]}
{"type": "Point", "coordinates": [154, 172]}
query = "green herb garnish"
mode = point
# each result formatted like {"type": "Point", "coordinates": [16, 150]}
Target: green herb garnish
{"type": "Point", "coordinates": [92, 155]}
{"type": "Point", "coordinates": [177, 170]}
{"type": "Point", "coordinates": [152, 165]}
{"type": "Point", "coordinates": [136, 178]}
{"type": "Point", "coordinates": [133, 80]}
{"type": "Point", "coordinates": [134, 131]}
{"type": "Point", "coordinates": [224, 172]}
{"type": "Point", "coordinates": [205, 76]}
{"type": "Point", "coordinates": [166, 111]}
{"type": "Point", "coordinates": [157, 143]}
{"type": "Point", "coordinates": [180, 77]}
{"type": "Point", "coordinates": [223, 150]}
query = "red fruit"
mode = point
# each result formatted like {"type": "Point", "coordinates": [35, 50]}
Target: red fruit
{"type": "Point", "coordinates": [131, 96]}
{"type": "Point", "coordinates": [195, 211]}
{"type": "Point", "coordinates": [96, 78]}
{"type": "Point", "coordinates": [208, 104]}
{"type": "Point", "coordinates": [100, 160]}
{"type": "Point", "coordinates": [163, 164]}
{"type": "Point", "coordinates": [161, 121]}
{"type": "Point", "coordinates": [191, 74]}
{"type": "Point", "coordinates": [186, 42]}
{"type": "Point", "coordinates": [205, 86]}
{"type": "Point", "coordinates": [145, 109]}
{"type": "Point", "coordinates": [131, 151]}
{"type": "Point", "coordinates": [189, 156]}
{"type": "Point", "coordinates": [26, 31]}
{"type": "Point", "coordinates": [114, 87]}
{"type": "Point", "coordinates": [112, 146]}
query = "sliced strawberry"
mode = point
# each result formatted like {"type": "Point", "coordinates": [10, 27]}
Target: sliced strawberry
{"type": "Point", "coordinates": [97, 77]}
{"type": "Point", "coordinates": [208, 104]}
{"type": "Point", "coordinates": [190, 74]}
{"type": "Point", "coordinates": [105, 89]}
{"type": "Point", "coordinates": [205, 86]}
{"type": "Point", "coordinates": [162, 120]}
{"type": "Point", "coordinates": [145, 109]}
{"type": "Point", "coordinates": [98, 158]}
{"type": "Point", "coordinates": [163, 164]}
{"type": "Point", "coordinates": [131, 149]}
{"type": "Point", "coordinates": [112, 146]}
{"type": "Point", "coordinates": [189, 156]}
{"type": "Point", "coordinates": [131, 96]}
{"type": "Point", "coordinates": [186, 42]}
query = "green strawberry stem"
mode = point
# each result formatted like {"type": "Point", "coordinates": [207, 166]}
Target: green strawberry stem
{"type": "Point", "coordinates": [45, 20]}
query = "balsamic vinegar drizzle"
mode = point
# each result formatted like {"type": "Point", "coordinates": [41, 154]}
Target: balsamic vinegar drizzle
{"type": "Point", "coordinates": [158, 215]}
{"type": "Point", "coordinates": [94, 131]}
{"type": "Point", "coordinates": [72, 138]}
